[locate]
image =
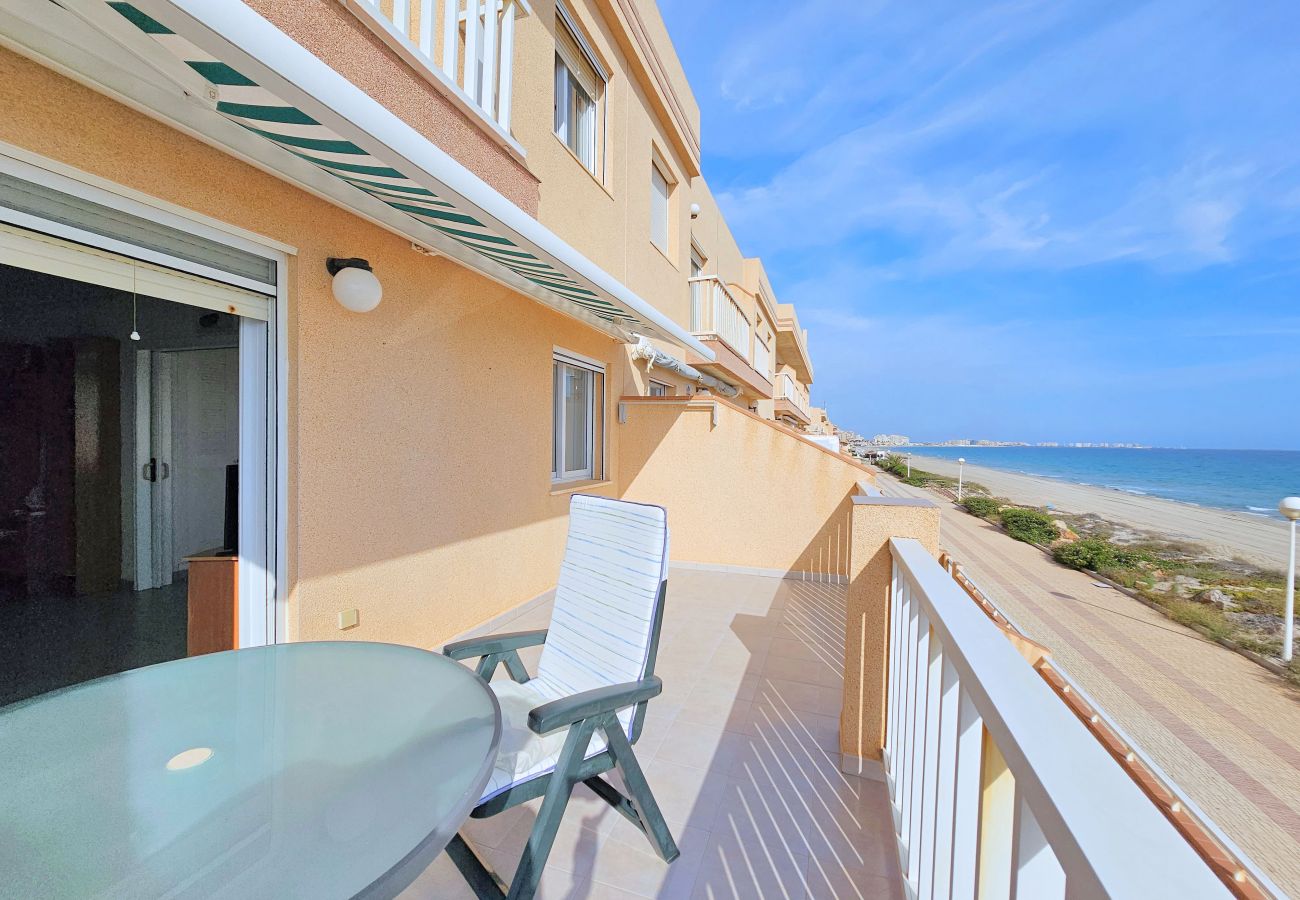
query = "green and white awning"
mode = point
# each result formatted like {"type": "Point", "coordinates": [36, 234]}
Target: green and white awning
{"type": "Point", "coordinates": [253, 75]}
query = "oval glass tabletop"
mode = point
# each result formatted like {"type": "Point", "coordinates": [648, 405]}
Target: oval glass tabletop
{"type": "Point", "coordinates": [319, 770]}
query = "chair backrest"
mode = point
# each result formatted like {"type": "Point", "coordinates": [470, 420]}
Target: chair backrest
{"type": "Point", "coordinates": [608, 602]}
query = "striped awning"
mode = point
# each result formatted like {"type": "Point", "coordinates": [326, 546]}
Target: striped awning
{"type": "Point", "coordinates": [290, 112]}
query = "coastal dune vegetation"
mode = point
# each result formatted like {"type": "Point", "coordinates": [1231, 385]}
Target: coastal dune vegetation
{"type": "Point", "coordinates": [1224, 599]}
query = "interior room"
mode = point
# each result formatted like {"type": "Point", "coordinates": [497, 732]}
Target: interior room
{"type": "Point", "coordinates": [119, 441]}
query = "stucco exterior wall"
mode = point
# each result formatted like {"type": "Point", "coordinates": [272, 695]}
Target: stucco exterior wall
{"type": "Point", "coordinates": [875, 520]}
{"type": "Point", "coordinates": [419, 434]}
{"type": "Point", "coordinates": [606, 216]}
{"type": "Point", "coordinates": [745, 492]}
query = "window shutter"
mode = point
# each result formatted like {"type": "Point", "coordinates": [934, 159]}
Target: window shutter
{"type": "Point", "coordinates": [577, 61]}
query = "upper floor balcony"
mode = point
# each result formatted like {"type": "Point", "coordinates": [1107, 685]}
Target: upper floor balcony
{"type": "Point", "coordinates": [723, 325]}
{"type": "Point", "coordinates": [792, 343]}
{"type": "Point", "coordinates": [791, 399]}
{"type": "Point", "coordinates": [465, 47]}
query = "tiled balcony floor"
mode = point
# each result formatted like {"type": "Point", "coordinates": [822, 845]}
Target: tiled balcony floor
{"type": "Point", "coordinates": [740, 751]}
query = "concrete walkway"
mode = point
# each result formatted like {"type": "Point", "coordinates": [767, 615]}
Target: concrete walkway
{"type": "Point", "coordinates": [1223, 728]}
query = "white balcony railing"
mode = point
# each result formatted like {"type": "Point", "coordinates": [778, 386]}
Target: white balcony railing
{"type": "Point", "coordinates": [715, 313]}
{"type": "Point", "coordinates": [467, 44]}
{"type": "Point", "coordinates": [788, 389]}
{"type": "Point", "coordinates": [762, 358]}
{"type": "Point", "coordinates": [998, 790]}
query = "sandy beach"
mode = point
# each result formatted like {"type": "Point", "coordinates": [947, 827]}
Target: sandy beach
{"type": "Point", "coordinates": [1259, 540]}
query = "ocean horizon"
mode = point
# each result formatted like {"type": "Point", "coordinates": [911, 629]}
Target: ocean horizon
{"type": "Point", "coordinates": [1246, 481]}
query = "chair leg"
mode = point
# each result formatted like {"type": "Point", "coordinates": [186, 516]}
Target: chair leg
{"type": "Point", "coordinates": [642, 798]}
{"type": "Point", "coordinates": [480, 880]}
{"type": "Point", "coordinates": [515, 666]}
{"type": "Point", "coordinates": [529, 872]}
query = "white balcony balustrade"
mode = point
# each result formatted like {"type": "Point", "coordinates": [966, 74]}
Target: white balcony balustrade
{"type": "Point", "coordinates": [762, 358]}
{"type": "Point", "coordinates": [998, 790]}
{"type": "Point", "coordinates": [788, 389]}
{"type": "Point", "coordinates": [468, 45]}
{"type": "Point", "coordinates": [716, 314]}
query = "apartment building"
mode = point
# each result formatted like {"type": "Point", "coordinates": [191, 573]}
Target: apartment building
{"type": "Point", "coordinates": [237, 185]}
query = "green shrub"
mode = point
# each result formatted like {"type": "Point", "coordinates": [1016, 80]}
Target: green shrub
{"type": "Point", "coordinates": [894, 465]}
{"type": "Point", "coordinates": [1199, 616]}
{"type": "Point", "coordinates": [984, 507]}
{"type": "Point", "coordinates": [1096, 554]}
{"type": "Point", "coordinates": [1029, 525]}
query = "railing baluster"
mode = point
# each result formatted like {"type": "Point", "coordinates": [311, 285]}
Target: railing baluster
{"type": "Point", "coordinates": [450, 36]}
{"type": "Point", "coordinates": [507, 63]}
{"type": "Point", "coordinates": [1036, 873]}
{"type": "Point", "coordinates": [945, 784]}
{"type": "Point", "coordinates": [966, 796]}
{"type": "Point", "coordinates": [906, 735]}
{"type": "Point", "coordinates": [891, 688]}
{"type": "Point", "coordinates": [930, 770]}
{"type": "Point", "coordinates": [428, 22]}
{"type": "Point", "coordinates": [402, 16]}
{"type": "Point", "coordinates": [471, 81]}
{"type": "Point", "coordinates": [916, 751]}
{"type": "Point", "coordinates": [487, 90]}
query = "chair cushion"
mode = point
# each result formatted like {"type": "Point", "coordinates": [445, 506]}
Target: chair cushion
{"type": "Point", "coordinates": [602, 623]}
{"type": "Point", "coordinates": [522, 754]}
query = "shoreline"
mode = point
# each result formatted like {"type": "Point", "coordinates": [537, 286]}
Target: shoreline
{"type": "Point", "coordinates": [1258, 539]}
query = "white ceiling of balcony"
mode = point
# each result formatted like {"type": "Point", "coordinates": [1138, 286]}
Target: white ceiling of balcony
{"type": "Point", "coordinates": [218, 70]}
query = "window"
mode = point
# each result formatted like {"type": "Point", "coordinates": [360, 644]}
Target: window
{"type": "Point", "coordinates": [579, 94]}
{"type": "Point", "coordinates": [659, 190]}
{"type": "Point", "coordinates": [659, 389]}
{"type": "Point", "coordinates": [578, 405]}
{"type": "Point", "coordinates": [699, 297]}
{"type": "Point", "coordinates": [697, 263]}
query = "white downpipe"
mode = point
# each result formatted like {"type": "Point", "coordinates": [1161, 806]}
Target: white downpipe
{"type": "Point", "coordinates": [656, 357]}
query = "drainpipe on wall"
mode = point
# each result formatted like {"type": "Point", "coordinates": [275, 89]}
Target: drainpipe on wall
{"type": "Point", "coordinates": [656, 357]}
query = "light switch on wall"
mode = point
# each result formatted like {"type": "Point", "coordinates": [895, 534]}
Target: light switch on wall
{"type": "Point", "coordinates": [348, 618]}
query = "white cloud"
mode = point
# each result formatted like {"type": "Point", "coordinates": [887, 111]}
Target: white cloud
{"type": "Point", "coordinates": [1043, 135]}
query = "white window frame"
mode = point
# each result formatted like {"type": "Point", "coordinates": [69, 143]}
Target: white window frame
{"type": "Point", "coordinates": [595, 442]}
{"type": "Point", "coordinates": [657, 170]}
{"type": "Point", "coordinates": [567, 84]}
{"type": "Point", "coordinates": [264, 371]}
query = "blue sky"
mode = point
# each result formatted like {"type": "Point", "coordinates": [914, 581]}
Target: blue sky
{"type": "Point", "coordinates": [1025, 220]}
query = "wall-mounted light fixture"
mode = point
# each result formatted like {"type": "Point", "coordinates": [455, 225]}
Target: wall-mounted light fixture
{"type": "Point", "coordinates": [695, 210]}
{"type": "Point", "coordinates": [355, 285]}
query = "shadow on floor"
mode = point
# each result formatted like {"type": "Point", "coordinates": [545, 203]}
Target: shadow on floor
{"type": "Point", "coordinates": [741, 751]}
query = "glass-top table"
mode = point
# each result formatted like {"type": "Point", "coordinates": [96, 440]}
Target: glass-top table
{"type": "Point", "coordinates": [313, 770]}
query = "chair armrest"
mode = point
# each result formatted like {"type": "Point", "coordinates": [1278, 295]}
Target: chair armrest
{"type": "Point", "coordinates": [567, 710]}
{"type": "Point", "coordinates": [494, 643]}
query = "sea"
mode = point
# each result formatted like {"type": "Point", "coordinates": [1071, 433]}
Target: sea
{"type": "Point", "coordinates": [1250, 481]}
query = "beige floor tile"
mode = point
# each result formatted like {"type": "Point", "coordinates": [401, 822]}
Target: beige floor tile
{"type": "Point", "coordinates": [630, 864]}
{"type": "Point", "coordinates": [830, 882]}
{"type": "Point", "coordinates": [494, 831]}
{"type": "Point", "coordinates": [783, 694]}
{"type": "Point", "coordinates": [687, 796]}
{"type": "Point", "coordinates": [817, 672]}
{"type": "Point", "coordinates": [701, 746]}
{"type": "Point", "coordinates": [441, 881]}
{"type": "Point", "coordinates": [737, 867]}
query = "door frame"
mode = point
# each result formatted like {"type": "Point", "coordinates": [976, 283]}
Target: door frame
{"type": "Point", "coordinates": [263, 373]}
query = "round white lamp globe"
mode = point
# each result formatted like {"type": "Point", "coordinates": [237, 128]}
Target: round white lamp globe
{"type": "Point", "coordinates": [1290, 507]}
{"type": "Point", "coordinates": [962, 460]}
{"type": "Point", "coordinates": [355, 286]}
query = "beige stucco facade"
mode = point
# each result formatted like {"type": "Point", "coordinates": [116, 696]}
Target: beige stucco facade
{"type": "Point", "coordinates": [419, 434]}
